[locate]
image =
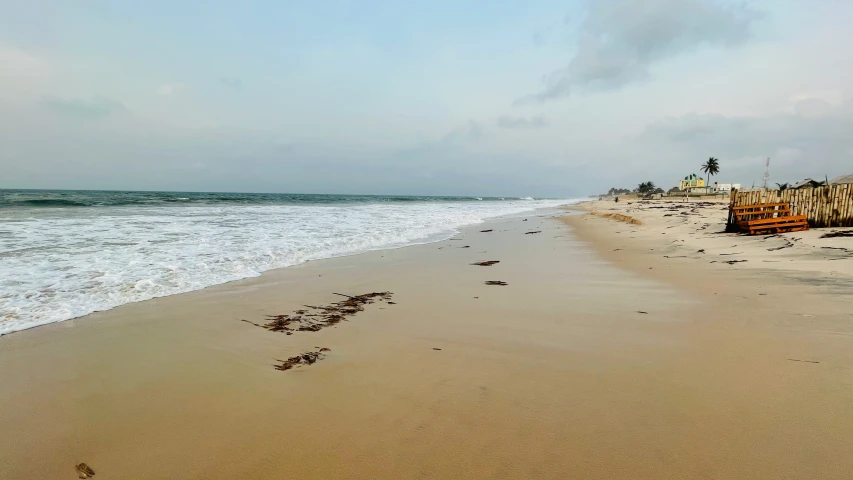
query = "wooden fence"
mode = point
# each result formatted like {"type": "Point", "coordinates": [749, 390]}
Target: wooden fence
{"type": "Point", "coordinates": [827, 206]}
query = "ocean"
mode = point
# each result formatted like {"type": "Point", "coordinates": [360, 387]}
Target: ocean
{"type": "Point", "coordinates": [65, 254]}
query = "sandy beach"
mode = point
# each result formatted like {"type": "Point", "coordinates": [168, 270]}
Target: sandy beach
{"type": "Point", "coordinates": [604, 357]}
{"type": "Point", "coordinates": [691, 234]}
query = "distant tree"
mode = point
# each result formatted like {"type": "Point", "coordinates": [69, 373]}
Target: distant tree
{"type": "Point", "coordinates": [617, 191]}
{"type": "Point", "coordinates": [782, 186]}
{"type": "Point", "coordinates": [711, 167]}
{"type": "Point", "coordinates": [646, 187]}
{"type": "Point", "coordinates": [674, 190]}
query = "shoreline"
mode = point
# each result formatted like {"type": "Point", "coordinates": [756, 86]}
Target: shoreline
{"type": "Point", "coordinates": [434, 238]}
{"type": "Point", "coordinates": [585, 365]}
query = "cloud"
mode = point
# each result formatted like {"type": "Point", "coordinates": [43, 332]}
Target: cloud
{"type": "Point", "coordinates": [522, 122]}
{"type": "Point", "coordinates": [20, 64]}
{"type": "Point", "coordinates": [94, 108]}
{"type": "Point", "coordinates": [170, 88]}
{"type": "Point", "coordinates": [23, 76]}
{"type": "Point", "coordinates": [812, 107]}
{"type": "Point", "coordinates": [233, 83]}
{"type": "Point", "coordinates": [621, 39]}
{"type": "Point", "coordinates": [466, 133]}
{"type": "Point", "coordinates": [812, 142]}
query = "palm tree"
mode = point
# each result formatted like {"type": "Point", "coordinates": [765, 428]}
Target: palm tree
{"type": "Point", "coordinates": [711, 167]}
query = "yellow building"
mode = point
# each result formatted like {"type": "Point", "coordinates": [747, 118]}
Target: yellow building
{"type": "Point", "coordinates": [692, 181]}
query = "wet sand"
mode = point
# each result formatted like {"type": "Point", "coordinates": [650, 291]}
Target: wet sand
{"type": "Point", "coordinates": [556, 375]}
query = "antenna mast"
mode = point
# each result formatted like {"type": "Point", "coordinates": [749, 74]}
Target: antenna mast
{"type": "Point", "coordinates": [766, 174]}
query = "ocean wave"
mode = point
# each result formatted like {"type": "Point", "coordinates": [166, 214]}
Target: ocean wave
{"type": "Point", "coordinates": [48, 202]}
{"type": "Point", "coordinates": [11, 199]}
{"type": "Point", "coordinates": [55, 267]}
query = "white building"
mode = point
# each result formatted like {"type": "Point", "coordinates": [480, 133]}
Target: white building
{"type": "Point", "coordinates": [725, 187]}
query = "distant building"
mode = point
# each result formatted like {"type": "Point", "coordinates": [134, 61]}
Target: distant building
{"type": "Point", "coordinates": [725, 187]}
{"type": "Point", "coordinates": [842, 179]}
{"type": "Point", "coordinates": [808, 182]}
{"type": "Point", "coordinates": [692, 181]}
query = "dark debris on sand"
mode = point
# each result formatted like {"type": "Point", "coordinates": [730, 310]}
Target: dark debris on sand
{"type": "Point", "coordinates": [318, 317]}
{"type": "Point", "coordinates": [837, 233]}
{"type": "Point", "coordinates": [531, 233]}
{"type": "Point", "coordinates": [307, 358]}
{"type": "Point", "coordinates": [84, 471]}
{"type": "Point", "coordinates": [496, 282]}
{"type": "Point", "coordinates": [486, 231]}
{"type": "Point", "coordinates": [487, 263]}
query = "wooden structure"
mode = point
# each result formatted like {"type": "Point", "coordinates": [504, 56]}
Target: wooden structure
{"type": "Point", "coordinates": [825, 206]}
{"type": "Point", "coordinates": [768, 218]}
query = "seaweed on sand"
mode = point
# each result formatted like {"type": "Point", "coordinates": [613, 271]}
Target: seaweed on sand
{"type": "Point", "coordinates": [319, 317]}
{"type": "Point", "coordinates": [487, 263]}
{"type": "Point", "coordinates": [307, 358]}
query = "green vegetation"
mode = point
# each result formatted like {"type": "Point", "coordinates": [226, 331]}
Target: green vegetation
{"type": "Point", "coordinates": [711, 167]}
{"type": "Point", "coordinates": [618, 191]}
{"type": "Point", "coordinates": [647, 187]}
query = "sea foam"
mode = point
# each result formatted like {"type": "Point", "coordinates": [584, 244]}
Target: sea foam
{"type": "Point", "coordinates": [61, 263]}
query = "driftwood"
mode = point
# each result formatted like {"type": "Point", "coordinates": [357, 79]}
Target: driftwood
{"type": "Point", "coordinates": [496, 282]}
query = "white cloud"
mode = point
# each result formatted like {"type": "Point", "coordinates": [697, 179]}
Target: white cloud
{"type": "Point", "coordinates": [21, 73]}
{"type": "Point", "coordinates": [812, 107]}
{"type": "Point", "coordinates": [20, 64]}
{"type": "Point", "coordinates": [168, 89]}
{"type": "Point", "coordinates": [537, 121]}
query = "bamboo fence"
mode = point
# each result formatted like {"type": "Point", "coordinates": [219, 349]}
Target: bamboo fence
{"type": "Point", "coordinates": [826, 206]}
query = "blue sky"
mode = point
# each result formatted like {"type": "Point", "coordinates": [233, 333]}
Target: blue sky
{"type": "Point", "coordinates": [483, 98]}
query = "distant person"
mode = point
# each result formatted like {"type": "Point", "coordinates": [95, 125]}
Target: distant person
{"type": "Point", "coordinates": [617, 200]}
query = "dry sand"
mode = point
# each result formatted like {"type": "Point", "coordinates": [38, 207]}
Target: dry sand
{"type": "Point", "coordinates": [556, 375]}
{"type": "Point", "coordinates": [690, 233]}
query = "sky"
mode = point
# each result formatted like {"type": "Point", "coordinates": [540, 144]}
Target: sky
{"type": "Point", "coordinates": [446, 97]}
